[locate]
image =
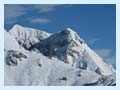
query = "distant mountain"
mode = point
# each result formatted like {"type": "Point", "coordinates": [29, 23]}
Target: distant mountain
{"type": "Point", "coordinates": [62, 58]}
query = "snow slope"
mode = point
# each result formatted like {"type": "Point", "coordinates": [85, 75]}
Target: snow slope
{"type": "Point", "coordinates": [9, 42]}
{"type": "Point", "coordinates": [60, 59]}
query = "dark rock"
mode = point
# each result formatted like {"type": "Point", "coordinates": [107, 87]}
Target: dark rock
{"type": "Point", "coordinates": [64, 78]}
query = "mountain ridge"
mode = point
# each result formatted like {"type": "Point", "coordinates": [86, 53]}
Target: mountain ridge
{"type": "Point", "coordinates": [27, 36]}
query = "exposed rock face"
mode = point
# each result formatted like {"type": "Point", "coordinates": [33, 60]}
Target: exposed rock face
{"type": "Point", "coordinates": [13, 57]}
{"type": "Point", "coordinates": [61, 45]}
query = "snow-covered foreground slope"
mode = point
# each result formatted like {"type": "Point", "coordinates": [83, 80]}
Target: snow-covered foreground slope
{"type": "Point", "coordinates": [59, 59]}
{"type": "Point", "coordinates": [40, 70]}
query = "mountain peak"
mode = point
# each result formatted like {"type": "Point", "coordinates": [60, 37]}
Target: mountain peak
{"type": "Point", "coordinates": [71, 35]}
{"type": "Point", "coordinates": [16, 26]}
{"type": "Point", "coordinates": [69, 31]}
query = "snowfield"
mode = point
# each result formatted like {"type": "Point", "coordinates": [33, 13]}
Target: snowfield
{"type": "Point", "coordinates": [37, 58]}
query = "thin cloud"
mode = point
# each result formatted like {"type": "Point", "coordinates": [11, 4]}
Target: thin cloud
{"type": "Point", "coordinates": [43, 8]}
{"type": "Point", "coordinates": [13, 11]}
{"type": "Point", "coordinates": [103, 52]}
{"type": "Point", "coordinates": [106, 54]}
{"type": "Point", "coordinates": [92, 41]}
{"type": "Point", "coordinates": [112, 60]}
{"type": "Point", "coordinates": [39, 20]}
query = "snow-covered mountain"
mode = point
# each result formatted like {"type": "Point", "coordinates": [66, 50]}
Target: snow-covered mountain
{"type": "Point", "coordinates": [61, 58]}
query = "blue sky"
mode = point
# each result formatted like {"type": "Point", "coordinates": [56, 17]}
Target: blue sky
{"type": "Point", "coordinates": [96, 24]}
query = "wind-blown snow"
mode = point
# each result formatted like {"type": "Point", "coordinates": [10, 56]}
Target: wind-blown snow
{"type": "Point", "coordinates": [58, 59]}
